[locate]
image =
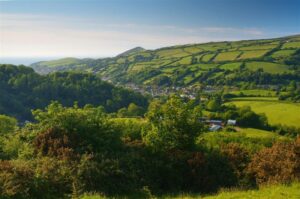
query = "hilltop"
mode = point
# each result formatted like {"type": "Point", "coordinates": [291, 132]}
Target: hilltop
{"type": "Point", "coordinates": [265, 61]}
{"type": "Point", "coordinates": [131, 51]}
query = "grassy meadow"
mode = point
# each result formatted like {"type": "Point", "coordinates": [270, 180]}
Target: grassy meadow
{"type": "Point", "coordinates": [252, 139]}
{"type": "Point", "coordinates": [278, 112]}
{"type": "Point", "coordinates": [255, 92]}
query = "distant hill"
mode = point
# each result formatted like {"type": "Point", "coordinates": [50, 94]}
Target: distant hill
{"type": "Point", "coordinates": [131, 51]}
{"type": "Point", "coordinates": [266, 61]}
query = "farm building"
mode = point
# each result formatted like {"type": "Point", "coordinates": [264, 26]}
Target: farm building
{"type": "Point", "coordinates": [215, 127]}
{"type": "Point", "coordinates": [214, 122]}
{"type": "Point", "coordinates": [231, 122]}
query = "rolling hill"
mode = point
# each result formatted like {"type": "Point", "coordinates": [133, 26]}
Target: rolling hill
{"type": "Point", "coordinates": [185, 65]}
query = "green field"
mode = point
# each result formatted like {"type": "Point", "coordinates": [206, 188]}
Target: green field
{"type": "Point", "coordinates": [231, 66]}
{"type": "Point", "coordinates": [267, 67]}
{"type": "Point", "coordinates": [255, 92]}
{"type": "Point", "coordinates": [255, 99]}
{"type": "Point", "coordinates": [271, 192]}
{"type": "Point", "coordinates": [284, 113]}
{"type": "Point", "coordinates": [252, 139]}
{"type": "Point", "coordinates": [141, 66]}
{"type": "Point", "coordinates": [207, 57]}
{"type": "Point", "coordinates": [268, 192]}
{"type": "Point", "coordinates": [258, 47]}
{"type": "Point", "coordinates": [291, 45]}
{"type": "Point", "coordinates": [253, 54]}
{"type": "Point", "coordinates": [282, 53]}
{"type": "Point", "coordinates": [227, 56]}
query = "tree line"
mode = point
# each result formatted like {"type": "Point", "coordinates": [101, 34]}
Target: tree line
{"type": "Point", "coordinates": [21, 89]}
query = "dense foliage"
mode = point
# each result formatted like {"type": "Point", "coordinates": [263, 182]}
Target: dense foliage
{"type": "Point", "coordinates": [70, 151]}
{"type": "Point", "coordinates": [21, 89]}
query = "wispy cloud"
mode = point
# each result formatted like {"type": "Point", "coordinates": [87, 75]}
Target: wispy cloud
{"type": "Point", "coordinates": [42, 35]}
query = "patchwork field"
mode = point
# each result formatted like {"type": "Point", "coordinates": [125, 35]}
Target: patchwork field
{"type": "Point", "coordinates": [145, 67]}
{"type": "Point", "coordinates": [291, 45]}
{"type": "Point", "coordinates": [267, 67]}
{"type": "Point", "coordinates": [231, 66]}
{"type": "Point", "coordinates": [227, 56]}
{"type": "Point", "coordinates": [277, 112]}
{"type": "Point", "coordinates": [253, 54]}
{"type": "Point", "coordinates": [282, 53]}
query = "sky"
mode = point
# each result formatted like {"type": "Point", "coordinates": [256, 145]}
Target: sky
{"type": "Point", "coordinates": [90, 28]}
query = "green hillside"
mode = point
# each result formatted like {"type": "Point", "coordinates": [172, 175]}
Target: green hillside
{"type": "Point", "coordinates": [209, 63]}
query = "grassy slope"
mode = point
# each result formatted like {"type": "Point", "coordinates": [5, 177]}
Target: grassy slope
{"type": "Point", "coordinates": [60, 62]}
{"type": "Point", "coordinates": [146, 66]}
{"type": "Point", "coordinates": [272, 192]}
{"type": "Point", "coordinates": [252, 139]}
{"type": "Point", "coordinates": [268, 192]}
{"type": "Point", "coordinates": [277, 112]}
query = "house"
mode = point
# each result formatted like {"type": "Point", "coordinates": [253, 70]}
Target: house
{"type": "Point", "coordinates": [215, 127]}
{"type": "Point", "coordinates": [214, 122]}
{"type": "Point", "coordinates": [231, 122]}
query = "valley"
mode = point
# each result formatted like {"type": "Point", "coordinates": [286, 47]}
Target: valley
{"type": "Point", "coordinates": [152, 99]}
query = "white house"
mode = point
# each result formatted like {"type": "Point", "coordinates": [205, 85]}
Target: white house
{"type": "Point", "coordinates": [231, 122]}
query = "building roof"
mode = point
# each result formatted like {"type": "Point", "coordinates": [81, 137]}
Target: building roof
{"type": "Point", "coordinates": [215, 127]}
{"type": "Point", "coordinates": [231, 122]}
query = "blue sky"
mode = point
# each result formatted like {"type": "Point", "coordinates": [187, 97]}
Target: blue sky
{"type": "Point", "coordinates": [108, 27]}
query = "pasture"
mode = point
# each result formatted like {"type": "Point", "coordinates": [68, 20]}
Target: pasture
{"type": "Point", "coordinates": [272, 68]}
{"type": "Point", "coordinates": [249, 138]}
{"type": "Point", "coordinates": [291, 45]}
{"type": "Point", "coordinates": [227, 56]}
{"type": "Point", "coordinates": [231, 66]}
{"type": "Point", "coordinates": [282, 53]}
{"type": "Point", "coordinates": [253, 54]}
{"type": "Point", "coordinates": [207, 57]}
{"type": "Point", "coordinates": [258, 47]}
{"type": "Point", "coordinates": [255, 92]}
{"type": "Point", "coordinates": [285, 113]}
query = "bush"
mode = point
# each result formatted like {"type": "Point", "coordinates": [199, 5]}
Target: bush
{"type": "Point", "coordinates": [16, 179]}
{"type": "Point", "coordinates": [209, 172]}
{"type": "Point", "coordinates": [238, 158]}
{"type": "Point", "coordinates": [278, 164]}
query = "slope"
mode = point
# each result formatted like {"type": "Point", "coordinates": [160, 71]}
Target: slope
{"type": "Point", "coordinates": [208, 63]}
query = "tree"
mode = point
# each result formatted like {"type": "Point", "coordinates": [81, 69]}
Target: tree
{"type": "Point", "coordinates": [7, 124]}
{"type": "Point", "coordinates": [134, 110]}
{"type": "Point", "coordinates": [173, 125]}
{"type": "Point", "coordinates": [74, 130]}
{"type": "Point", "coordinates": [248, 118]}
{"type": "Point", "coordinates": [214, 105]}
